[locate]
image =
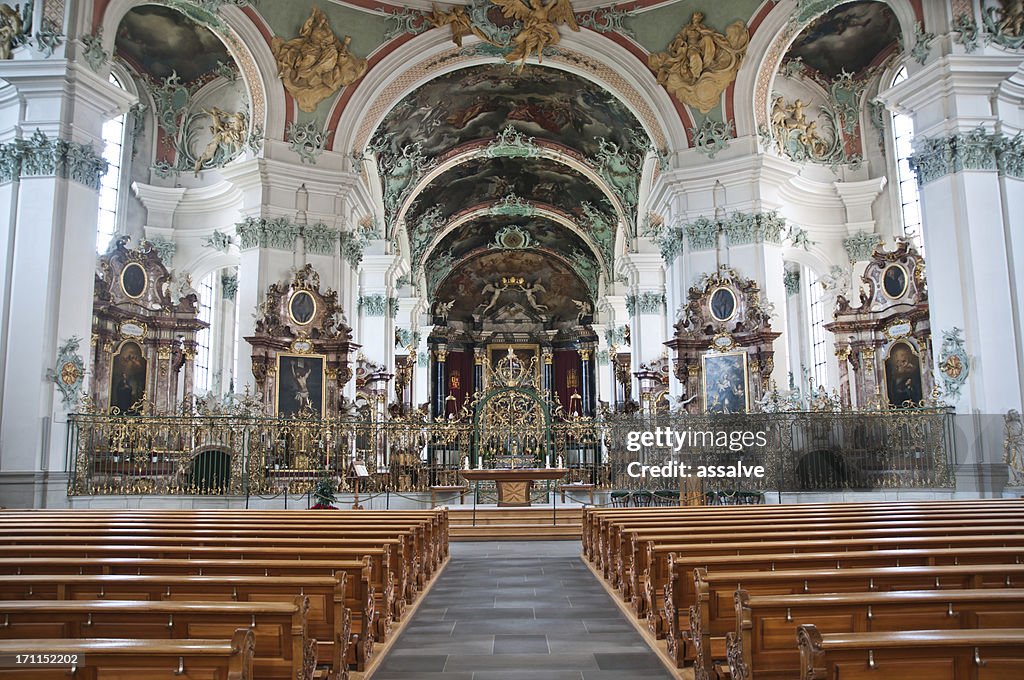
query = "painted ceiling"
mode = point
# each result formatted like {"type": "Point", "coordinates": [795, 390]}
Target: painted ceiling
{"type": "Point", "coordinates": [478, 102]}
{"type": "Point", "coordinates": [483, 180]}
{"type": "Point", "coordinates": [159, 41]}
{"type": "Point", "coordinates": [511, 234]}
{"type": "Point", "coordinates": [468, 285]}
{"type": "Point", "coordinates": [848, 38]}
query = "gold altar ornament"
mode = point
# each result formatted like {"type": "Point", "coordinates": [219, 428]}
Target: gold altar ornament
{"type": "Point", "coordinates": [700, 63]}
{"type": "Point", "coordinates": [315, 64]}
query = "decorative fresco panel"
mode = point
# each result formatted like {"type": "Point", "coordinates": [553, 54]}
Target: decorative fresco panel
{"type": "Point", "coordinates": [543, 286]}
{"type": "Point", "coordinates": [847, 38]}
{"type": "Point", "coordinates": [478, 102]}
{"type": "Point", "coordinates": [161, 41]}
{"type": "Point", "coordinates": [482, 180]}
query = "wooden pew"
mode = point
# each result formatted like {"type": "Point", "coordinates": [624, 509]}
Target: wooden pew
{"type": "Point", "coordinates": [596, 520]}
{"type": "Point", "coordinates": [912, 655]}
{"type": "Point", "coordinates": [328, 619]}
{"type": "Point", "coordinates": [659, 602]}
{"type": "Point", "coordinates": [619, 535]}
{"type": "Point", "coordinates": [133, 658]}
{"type": "Point", "coordinates": [633, 562]}
{"type": "Point", "coordinates": [380, 570]}
{"type": "Point", "coordinates": [672, 592]}
{"type": "Point", "coordinates": [763, 646]}
{"type": "Point", "coordinates": [282, 648]}
{"type": "Point", "coordinates": [713, 614]}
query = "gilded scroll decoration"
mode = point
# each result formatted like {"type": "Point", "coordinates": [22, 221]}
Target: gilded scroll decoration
{"type": "Point", "coordinates": [700, 63]}
{"type": "Point", "coordinates": [315, 64]}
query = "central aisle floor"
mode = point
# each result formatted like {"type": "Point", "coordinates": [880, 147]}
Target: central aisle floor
{"type": "Point", "coordinates": [519, 611]}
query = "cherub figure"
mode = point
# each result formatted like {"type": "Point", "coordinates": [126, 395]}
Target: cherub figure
{"type": "Point", "coordinates": [443, 309]}
{"type": "Point", "coordinates": [531, 290]}
{"type": "Point", "coordinates": [229, 132]}
{"type": "Point", "coordinates": [584, 310]}
{"type": "Point", "coordinates": [538, 30]}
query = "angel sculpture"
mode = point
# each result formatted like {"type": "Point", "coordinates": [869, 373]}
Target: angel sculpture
{"type": "Point", "coordinates": [531, 290]}
{"type": "Point", "coordinates": [443, 309]}
{"type": "Point", "coordinates": [459, 20]}
{"type": "Point", "coordinates": [11, 26]}
{"type": "Point", "coordinates": [229, 132]}
{"type": "Point", "coordinates": [538, 30]}
{"type": "Point", "coordinates": [495, 292]}
{"type": "Point", "coordinates": [584, 310]}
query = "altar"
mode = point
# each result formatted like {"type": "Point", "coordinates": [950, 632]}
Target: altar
{"type": "Point", "coordinates": [514, 484]}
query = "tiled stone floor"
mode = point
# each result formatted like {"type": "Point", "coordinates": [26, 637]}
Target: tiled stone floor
{"type": "Point", "coordinates": [519, 611]}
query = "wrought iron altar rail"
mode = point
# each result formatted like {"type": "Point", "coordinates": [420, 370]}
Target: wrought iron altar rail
{"type": "Point", "coordinates": [240, 455]}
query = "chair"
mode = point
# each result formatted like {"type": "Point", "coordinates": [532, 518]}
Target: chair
{"type": "Point", "coordinates": [620, 499]}
{"type": "Point", "coordinates": [643, 498]}
{"type": "Point", "coordinates": [666, 497]}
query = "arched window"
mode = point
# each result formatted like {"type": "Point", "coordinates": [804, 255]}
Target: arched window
{"type": "Point", "coordinates": [110, 185]}
{"type": "Point", "coordinates": [201, 383]}
{"type": "Point", "coordinates": [818, 336]}
{"type": "Point", "coordinates": [903, 142]}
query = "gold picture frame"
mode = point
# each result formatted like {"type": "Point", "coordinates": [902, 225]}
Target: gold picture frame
{"type": "Point", "coordinates": [729, 379]}
{"type": "Point", "coordinates": [733, 309]}
{"type": "Point", "coordinates": [885, 281]}
{"type": "Point", "coordinates": [498, 351]}
{"type": "Point", "coordinates": [305, 386]}
{"type": "Point", "coordinates": [145, 280]}
{"type": "Point", "coordinates": [302, 294]}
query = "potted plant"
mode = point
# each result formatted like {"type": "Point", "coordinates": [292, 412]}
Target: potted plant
{"type": "Point", "coordinates": [323, 494]}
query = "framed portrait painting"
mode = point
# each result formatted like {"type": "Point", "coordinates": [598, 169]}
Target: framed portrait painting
{"type": "Point", "coordinates": [300, 384]}
{"type": "Point", "coordinates": [903, 386]}
{"type": "Point", "coordinates": [127, 378]}
{"type": "Point", "coordinates": [725, 382]}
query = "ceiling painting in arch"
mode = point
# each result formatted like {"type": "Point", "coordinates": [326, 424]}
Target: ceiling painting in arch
{"type": "Point", "coordinates": [515, 187]}
{"type": "Point", "coordinates": [159, 41]}
{"type": "Point", "coordinates": [512, 234]}
{"type": "Point", "coordinates": [848, 38]}
{"type": "Point", "coordinates": [478, 102]}
{"type": "Point", "coordinates": [547, 291]}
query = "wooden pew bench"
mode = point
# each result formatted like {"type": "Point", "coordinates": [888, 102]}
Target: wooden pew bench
{"type": "Point", "coordinates": [763, 646]}
{"type": "Point", "coordinates": [283, 648]}
{"type": "Point", "coordinates": [399, 589]}
{"type": "Point", "coordinates": [678, 590]}
{"type": "Point", "coordinates": [714, 613]}
{"type": "Point", "coordinates": [673, 596]}
{"type": "Point", "coordinates": [912, 655]}
{"type": "Point", "coordinates": [133, 658]}
{"type": "Point", "coordinates": [380, 567]}
{"type": "Point", "coordinates": [633, 562]}
{"type": "Point", "coordinates": [622, 537]}
{"type": "Point", "coordinates": [328, 620]}
{"type": "Point", "coordinates": [597, 522]}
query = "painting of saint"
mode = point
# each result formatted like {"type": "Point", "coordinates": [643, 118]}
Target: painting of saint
{"type": "Point", "coordinates": [127, 379]}
{"type": "Point", "coordinates": [133, 280]}
{"type": "Point", "coordinates": [723, 304]}
{"type": "Point", "coordinates": [302, 307]}
{"type": "Point", "coordinates": [894, 281]}
{"type": "Point", "coordinates": [725, 382]}
{"type": "Point", "coordinates": [903, 376]}
{"type": "Point", "coordinates": [300, 385]}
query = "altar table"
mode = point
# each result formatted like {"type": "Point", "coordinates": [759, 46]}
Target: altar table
{"type": "Point", "coordinates": [514, 484]}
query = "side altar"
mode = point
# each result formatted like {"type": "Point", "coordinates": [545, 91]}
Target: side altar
{"type": "Point", "coordinates": [514, 484]}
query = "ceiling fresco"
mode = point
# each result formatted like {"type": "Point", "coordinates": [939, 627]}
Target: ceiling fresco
{"type": "Point", "coordinates": [511, 234]}
{"type": "Point", "coordinates": [544, 103]}
{"type": "Point", "coordinates": [482, 180]}
{"type": "Point", "coordinates": [848, 38]}
{"type": "Point", "coordinates": [159, 41]}
{"type": "Point", "coordinates": [474, 282]}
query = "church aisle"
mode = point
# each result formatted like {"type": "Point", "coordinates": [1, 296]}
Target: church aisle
{"type": "Point", "coordinates": [519, 611]}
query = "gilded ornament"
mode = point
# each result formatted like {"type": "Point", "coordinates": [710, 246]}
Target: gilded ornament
{"type": "Point", "coordinates": [539, 21]}
{"type": "Point", "coordinates": [315, 64]}
{"type": "Point", "coordinates": [230, 131]}
{"type": "Point", "coordinates": [700, 63]}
